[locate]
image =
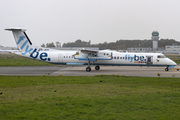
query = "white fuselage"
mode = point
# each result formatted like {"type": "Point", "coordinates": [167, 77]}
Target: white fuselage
{"type": "Point", "coordinates": [117, 58]}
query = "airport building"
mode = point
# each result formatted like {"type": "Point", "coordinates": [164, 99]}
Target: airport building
{"type": "Point", "coordinates": [155, 38]}
{"type": "Point", "coordinates": [154, 48]}
{"type": "Point", "coordinates": [140, 49]}
{"type": "Point", "coordinates": [172, 49]}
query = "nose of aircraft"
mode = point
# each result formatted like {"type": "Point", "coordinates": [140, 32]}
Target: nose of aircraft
{"type": "Point", "coordinates": [172, 63]}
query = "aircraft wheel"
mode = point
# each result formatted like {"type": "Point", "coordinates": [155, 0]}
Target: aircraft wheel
{"type": "Point", "coordinates": [166, 69]}
{"type": "Point", "coordinates": [97, 67]}
{"type": "Point", "coordinates": [88, 69]}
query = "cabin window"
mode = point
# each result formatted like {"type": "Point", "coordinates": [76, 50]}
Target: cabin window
{"type": "Point", "coordinates": [120, 57]}
{"type": "Point", "coordinates": [128, 58]}
{"type": "Point", "coordinates": [131, 57]}
{"type": "Point", "coordinates": [114, 57]}
{"type": "Point", "coordinates": [123, 57]}
{"type": "Point", "coordinates": [69, 56]}
{"type": "Point", "coordinates": [64, 56]}
{"type": "Point", "coordinates": [117, 57]}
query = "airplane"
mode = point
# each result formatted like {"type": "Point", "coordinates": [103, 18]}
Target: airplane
{"type": "Point", "coordinates": [86, 56]}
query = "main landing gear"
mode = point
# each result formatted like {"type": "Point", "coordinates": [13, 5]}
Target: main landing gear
{"type": "Point", "coordinates": [97, 67]}
{"type": "Point", "coordinates": [88, 69]}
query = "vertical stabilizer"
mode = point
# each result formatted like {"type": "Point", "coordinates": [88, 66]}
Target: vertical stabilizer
{"type": "Point", "coordinates": [23, 42]}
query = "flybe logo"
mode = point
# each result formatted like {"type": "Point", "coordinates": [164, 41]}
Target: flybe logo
{"type": "Point", "coordinates": [135, 58]}
{"type": "Point", "coordinates": [34, 54]}
{"type": "Point", "coordinates": [21, 38]}
{"type": "Point", "coordinates": [43, 56]}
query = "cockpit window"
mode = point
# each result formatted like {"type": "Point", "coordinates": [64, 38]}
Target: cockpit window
{"type": "Point", "coordinates": [161, 56]}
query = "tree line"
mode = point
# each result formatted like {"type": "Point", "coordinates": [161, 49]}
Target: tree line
{"type": "Point", "coordinates": [118, 45]}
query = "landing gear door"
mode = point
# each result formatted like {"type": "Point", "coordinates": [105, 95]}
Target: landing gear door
{"type": "Point", "coordinates": [149, 60]}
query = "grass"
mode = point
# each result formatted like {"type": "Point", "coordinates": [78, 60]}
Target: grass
{"type": "Point", "coordinates": [97, 97]}
{"type": "Point", "coordinates": [15, 60]}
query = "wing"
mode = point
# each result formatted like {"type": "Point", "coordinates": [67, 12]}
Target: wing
{"type": "Point", "coordinates": [91, 55]}
{"type": "Point", "coordinates": [89, 51]}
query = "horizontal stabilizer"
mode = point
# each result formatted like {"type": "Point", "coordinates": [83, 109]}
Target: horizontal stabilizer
{"type": "Point", "coordinates": [15, 29]}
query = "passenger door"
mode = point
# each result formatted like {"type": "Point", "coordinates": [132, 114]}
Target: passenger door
{"type": "Point", "coordinates": [149, 60]}
{"type": "Point", "coordinates": [60, 58]}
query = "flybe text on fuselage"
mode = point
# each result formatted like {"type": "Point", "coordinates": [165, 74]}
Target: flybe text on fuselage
{"type": "Point", "coordinates": [43, 56]}
{"type": "Point", "coordinates": [135, 58]}
{"type": "Point", "coordinates": [34, 54]}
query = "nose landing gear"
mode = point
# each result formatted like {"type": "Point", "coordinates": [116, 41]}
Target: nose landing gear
{"type": "Point", "coordinates": [167, 69]}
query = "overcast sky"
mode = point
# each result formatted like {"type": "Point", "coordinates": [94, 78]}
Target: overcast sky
{"type": "Point", "coordinates": [96, 20]}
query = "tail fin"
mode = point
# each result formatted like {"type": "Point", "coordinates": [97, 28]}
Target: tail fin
{"type": "Point", "coordinates": [23, 42]}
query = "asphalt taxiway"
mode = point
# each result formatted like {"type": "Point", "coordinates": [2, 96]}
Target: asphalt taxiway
{"type": "Point", "coordinates": [80, 71]}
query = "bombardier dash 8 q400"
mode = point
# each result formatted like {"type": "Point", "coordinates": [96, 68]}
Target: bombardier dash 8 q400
{"type": "Point", "coordinates": [87, 57]}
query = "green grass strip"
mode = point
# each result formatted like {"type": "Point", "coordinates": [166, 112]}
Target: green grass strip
{"type": "Point", "coordinates": [15, 60]}
{"type": "Point", "coordinates": [89, 97]}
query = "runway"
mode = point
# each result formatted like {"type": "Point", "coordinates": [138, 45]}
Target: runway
{"type": "Point", "coordinates": [80, 71]}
